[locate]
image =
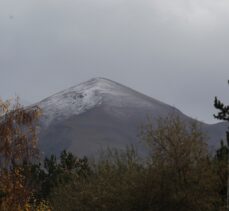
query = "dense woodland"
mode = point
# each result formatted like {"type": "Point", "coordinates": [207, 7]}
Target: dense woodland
{"type": "Point", "coordinates": [179, 173]}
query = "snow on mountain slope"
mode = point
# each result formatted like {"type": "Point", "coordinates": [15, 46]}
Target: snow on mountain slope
{"type": "Point", "coordinates": [78, 99]}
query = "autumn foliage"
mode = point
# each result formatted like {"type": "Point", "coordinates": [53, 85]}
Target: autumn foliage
{"type": "Point", "coordinates": [18, 148]}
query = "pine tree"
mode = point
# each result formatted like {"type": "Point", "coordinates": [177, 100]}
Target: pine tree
{"type": "Point", "coordinates": [223, 114]}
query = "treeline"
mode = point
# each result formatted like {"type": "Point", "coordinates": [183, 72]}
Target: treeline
{"type": "Point", "coordinates": [178, 174]}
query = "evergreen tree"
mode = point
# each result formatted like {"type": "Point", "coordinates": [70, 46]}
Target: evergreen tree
{"type": "Point", "coordinates": [56, 172]}
{"type": "Point", "coordinates": [222, 153]}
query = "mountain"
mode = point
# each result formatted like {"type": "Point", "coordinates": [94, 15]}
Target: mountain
{"type": "Point", "coordinates": [101, 113]}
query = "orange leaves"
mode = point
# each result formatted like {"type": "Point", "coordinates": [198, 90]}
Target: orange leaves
{"type": "Point", "coordinates": [18, 144]}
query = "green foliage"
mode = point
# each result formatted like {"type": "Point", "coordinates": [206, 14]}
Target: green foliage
{"type": "Point", "coordinates": [223, 114]}
{"type": "Point", "coordinates": [54, 173]}
{"type": "Point", "coordinates": [116, 183]}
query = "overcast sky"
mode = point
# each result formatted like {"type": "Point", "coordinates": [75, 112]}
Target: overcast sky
{"type": "Point", "coordinates": [175, 51]}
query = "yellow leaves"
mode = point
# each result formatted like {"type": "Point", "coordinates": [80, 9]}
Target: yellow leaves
{"type": "Point", "coordinates": [27, 207]}
{"type": "Point", "coordinates": [4, 107]}
{"type": "Point", "coordinates": [18, 143]}
{"type": "Point", "coordinates": [42, 206]}
{"type": "Point", "coordinates": [18, 133]}
{"type": "Point", "coordinates": [13, 183]}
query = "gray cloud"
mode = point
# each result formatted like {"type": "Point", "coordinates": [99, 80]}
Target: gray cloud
{"type": "Point", "coordinates": [176, 51]}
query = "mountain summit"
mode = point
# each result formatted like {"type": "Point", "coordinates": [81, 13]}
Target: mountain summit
{"type": "Point", "coordinates": [101, 113]}
{"type": "Point", "coordinates": [93, 93]}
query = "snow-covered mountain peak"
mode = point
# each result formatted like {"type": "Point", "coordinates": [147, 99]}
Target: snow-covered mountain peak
{"type": "Point", "coordinates": [92, 93]}
{"type": "Point", "coordinates": [78, 99]}
{"type": "Point", "coordinates": [102, 85]}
